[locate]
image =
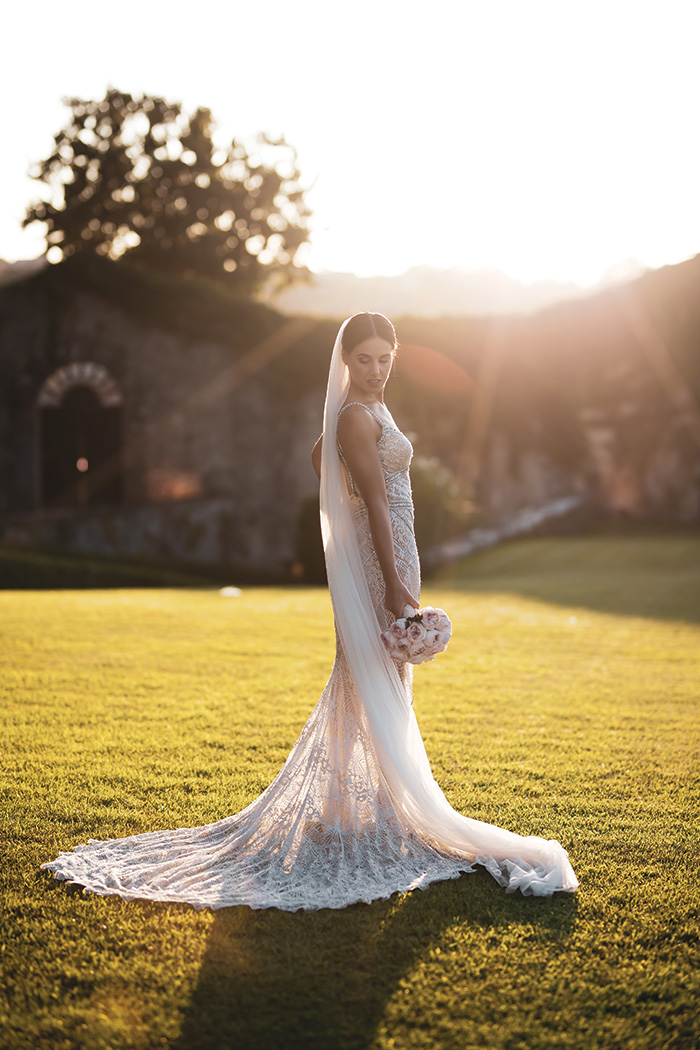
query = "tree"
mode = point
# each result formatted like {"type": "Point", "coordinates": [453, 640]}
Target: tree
{"type": "Point", "coordinates": [138, 176]}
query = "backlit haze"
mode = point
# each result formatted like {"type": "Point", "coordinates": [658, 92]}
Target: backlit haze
{"type": "Point", "coordinates": [549, 140]}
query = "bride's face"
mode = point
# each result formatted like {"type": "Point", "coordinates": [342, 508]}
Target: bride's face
{"type": "Point", "coordinates": [369, 365]}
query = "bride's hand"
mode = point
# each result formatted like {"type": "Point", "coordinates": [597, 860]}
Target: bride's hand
{"type": "Point", "coordinates": [397, 597]}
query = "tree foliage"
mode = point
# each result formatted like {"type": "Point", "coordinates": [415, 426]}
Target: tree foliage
{"type": "Point", "coordinates": [138, 176]}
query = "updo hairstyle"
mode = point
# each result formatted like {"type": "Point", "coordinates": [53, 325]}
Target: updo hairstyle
{"type": "Point", "coordinates": [365, 326]}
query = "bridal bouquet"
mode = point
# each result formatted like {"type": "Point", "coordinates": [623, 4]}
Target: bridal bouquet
{"type": "Point", "coordinates": [419, 635]}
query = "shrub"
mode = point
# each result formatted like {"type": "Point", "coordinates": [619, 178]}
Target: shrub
{"type": "Point", "coordinates": [442, 509]}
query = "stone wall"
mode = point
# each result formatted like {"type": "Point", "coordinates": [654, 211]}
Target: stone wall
{"type": "Point", "coordinates": [207, 531]}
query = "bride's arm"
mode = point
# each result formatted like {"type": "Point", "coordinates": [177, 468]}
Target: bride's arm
{"type": "Point", "coordinates": [358, 433]}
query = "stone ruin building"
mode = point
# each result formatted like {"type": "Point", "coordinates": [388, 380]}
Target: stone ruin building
{"type": "Point", "coordinates": [132, 422]}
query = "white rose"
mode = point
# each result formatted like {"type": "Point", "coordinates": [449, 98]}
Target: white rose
{"type": "Point", "coordinates": [415, 632]}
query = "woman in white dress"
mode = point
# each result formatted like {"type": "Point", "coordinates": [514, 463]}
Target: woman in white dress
{"type": "Point", "coordinates": [355, 813]}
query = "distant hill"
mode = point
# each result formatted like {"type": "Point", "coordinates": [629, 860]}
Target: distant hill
{"type": "Point", "coordinates": [426, 291]}
{"type": "Point", "coordinates": [422, 291]}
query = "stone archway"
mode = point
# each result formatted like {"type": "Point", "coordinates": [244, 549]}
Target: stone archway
{"type": "Point", "coordinates": [81, 410]}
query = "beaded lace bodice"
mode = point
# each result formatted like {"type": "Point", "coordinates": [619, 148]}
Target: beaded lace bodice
{"type": "Point", "coordinates": [395, 454]}
{"type": "Point", "coordinates": [335, 826]}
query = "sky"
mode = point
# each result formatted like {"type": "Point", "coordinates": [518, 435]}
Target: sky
{"type": "Point", "coordinates": [549, 139]}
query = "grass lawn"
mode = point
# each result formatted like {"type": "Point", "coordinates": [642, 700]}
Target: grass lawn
{"type": "Point", "coordinates": [566, 706]}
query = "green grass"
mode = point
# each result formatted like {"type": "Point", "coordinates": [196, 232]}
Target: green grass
{"type": "Point", "coordinates": [566, 706]}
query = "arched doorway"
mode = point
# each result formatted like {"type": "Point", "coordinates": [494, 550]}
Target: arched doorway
{"type": "Point", "coordinates": [81, 437]}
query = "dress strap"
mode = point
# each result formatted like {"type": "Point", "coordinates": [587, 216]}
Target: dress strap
{"type": "Point", "coordinates": [380, 421]}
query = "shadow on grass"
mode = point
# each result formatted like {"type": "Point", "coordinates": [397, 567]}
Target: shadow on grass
{"type": "Point", "coordinates": [656, 576]}
{"type": "Point", "coordinates": [321, 980]}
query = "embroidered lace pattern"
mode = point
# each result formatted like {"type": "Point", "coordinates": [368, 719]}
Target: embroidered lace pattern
{"type": "Point", "coordinates": [329, 830]}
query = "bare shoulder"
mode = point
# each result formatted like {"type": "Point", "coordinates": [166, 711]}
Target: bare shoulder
{"type": "Point", "coordinates": [357, 425]}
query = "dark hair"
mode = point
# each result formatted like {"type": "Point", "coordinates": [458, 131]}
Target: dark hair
{"type": "Point", "coordinates": [365, 326]}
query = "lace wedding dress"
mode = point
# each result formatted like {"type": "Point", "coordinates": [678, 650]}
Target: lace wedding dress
{"type": "Point", "coordinates": [354, 814]}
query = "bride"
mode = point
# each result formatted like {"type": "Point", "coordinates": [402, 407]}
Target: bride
{"type": "Point", "coordinates": [354, 814]}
